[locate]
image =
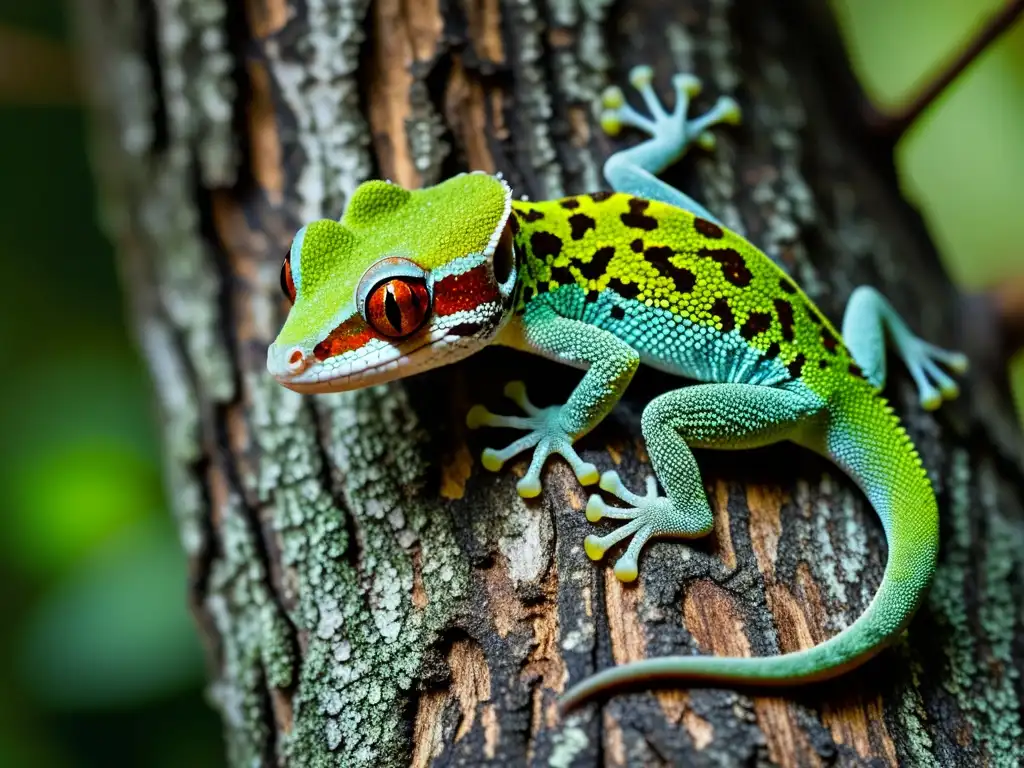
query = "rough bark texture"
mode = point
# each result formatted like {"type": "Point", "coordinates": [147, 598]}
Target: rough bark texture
{"type": "Point", "coordinates": [369, 595]}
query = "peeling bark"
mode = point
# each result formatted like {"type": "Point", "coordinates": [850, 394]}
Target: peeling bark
{"type": "Point", "coordinates": [368, 595]}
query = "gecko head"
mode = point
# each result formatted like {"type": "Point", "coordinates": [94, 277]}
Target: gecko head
{"type": "Point", "coordinates": [406, 281]}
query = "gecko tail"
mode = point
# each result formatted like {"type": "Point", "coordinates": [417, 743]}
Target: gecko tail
{"type": "Point", "coordinates": [865, 439]}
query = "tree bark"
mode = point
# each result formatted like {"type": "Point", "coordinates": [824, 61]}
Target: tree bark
{"type": "Point", "coordinates": [369, 595]}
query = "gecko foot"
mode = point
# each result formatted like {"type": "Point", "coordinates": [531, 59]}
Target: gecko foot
{"type": "Point", "coordinates": [545, 434]}
{"type": "Point", "coordinates": [648, 516]}
{"type": "Point", "coordinates": [933, 384]}
{"type": "Point", "coordinates": [673, 127]}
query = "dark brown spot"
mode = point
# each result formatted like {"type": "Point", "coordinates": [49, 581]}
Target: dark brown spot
{"type": "Point", "coordinates": [658, 256]}
{"type": "Point", "coordinates": [527, 293]}
{"type": "Point", "coordinates": [823, 364]}
{"type": "Point", "coordinates": [758, 322]}
{"type": "Point", "coordinates": [683, 278]}
{"type": "Point", "coordinates": [618, 312]}
{"type": "Point", "coordinates": [562, 276]}
{"type": "Point", "coordinates": [785, 312]}
{"type": "Point", "coordinates": [797, 365]}
{"type": "Point", "coordinates": [465, 329]}
{"type": "Point", "coordinates": [531, 215]}
{"type": "Point", "coordinates": [545, 244]}
{"type": "Point", "coordinates": [707, 228]}
{"type": "Point", "coordinates": [580, 223]}
{"type": "Point", "coordinates": [723, 312]}
{"type": "Point", "coordinates": [513, 224]}
{"type": "Point", "coordinates": [637, 245]}
{"type": "Point", "coordinates": [829, 340]}
{"type": "Point", "coordinates": [812, 313]}
{"type": "Point", "coordinates": [855, 370]}
{"type": "Point", "coordinates": [734, 268]}
{"type": "Point", "coordinates": [636, 218]}
{"type": "Point", "coordinates": [773, 350]}
{"type": "Point", "coordinates": [787, 286]}
{"type": "Point", "coordinates": [592, 296]}
{"type": "Point", "coordinates": [598, 263]}
{"type": "Point", "coordinates": [570, 203]}
{"type": "Point", "coordinates": [625, 290]}
{"type": "Point", "coordinates": [600, 197]}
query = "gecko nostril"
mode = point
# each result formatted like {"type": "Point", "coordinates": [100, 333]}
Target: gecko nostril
{"type": "Point", "coordinates": [296, 360]}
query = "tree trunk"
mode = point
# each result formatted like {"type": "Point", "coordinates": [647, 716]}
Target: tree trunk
{"type": "Point", "coordinates": [369, 595]}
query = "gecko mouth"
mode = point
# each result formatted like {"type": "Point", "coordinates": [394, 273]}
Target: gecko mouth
{"type": "Point", "coordinates": [379, 362]}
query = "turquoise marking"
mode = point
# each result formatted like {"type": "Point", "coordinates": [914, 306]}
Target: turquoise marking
{"type": "Point", "coordinates": [673, 344]}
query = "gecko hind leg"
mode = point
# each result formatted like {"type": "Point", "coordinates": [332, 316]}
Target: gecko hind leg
{"type": "Point", "coordinates": [729, 416]}
{"type": "Point", "coordinates": [868, 318]}
{"type": "Point", "coordinates": [672, 133]}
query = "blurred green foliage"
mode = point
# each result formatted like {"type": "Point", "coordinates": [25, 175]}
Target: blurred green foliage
{"type": "Point", "coordinates": [98, 655]}
{"type": "Point", "coordinates": [962, 162]}
{"type": "Point", "coordinates": [100, 663]}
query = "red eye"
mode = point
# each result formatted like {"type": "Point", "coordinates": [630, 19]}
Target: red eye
{"type": "Point", "coordinates": [398, 307]}
{"type": "Point", "coordinates": [287, 284]}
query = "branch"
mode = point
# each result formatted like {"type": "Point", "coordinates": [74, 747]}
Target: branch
{"type": "Point", "coordinates": [894, 125]}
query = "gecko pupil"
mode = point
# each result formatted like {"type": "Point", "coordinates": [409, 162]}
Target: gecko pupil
{"type": "Point", "coordinates": [398, 307]}
{"type": "Point", "coordinates": [391, 309]}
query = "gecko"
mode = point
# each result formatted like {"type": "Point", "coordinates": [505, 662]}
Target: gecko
{"type": "Point", "coordinates": [409, 280]}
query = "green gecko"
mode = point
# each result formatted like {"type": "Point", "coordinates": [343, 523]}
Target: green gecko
{"type": "Point", "coordinates": [411, 280]}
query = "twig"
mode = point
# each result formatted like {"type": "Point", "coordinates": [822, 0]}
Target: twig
{"type": "Point", "coordinates": [895, 125]}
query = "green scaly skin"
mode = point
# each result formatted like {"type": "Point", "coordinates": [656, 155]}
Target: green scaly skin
{"type": "Point", "coordinates": [606, 282]}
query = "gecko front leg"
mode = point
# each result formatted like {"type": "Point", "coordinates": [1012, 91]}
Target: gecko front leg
{"type": "Point", "coordinates": [610, 364]}
{"type": "Point", "coordinates": [672, 133]}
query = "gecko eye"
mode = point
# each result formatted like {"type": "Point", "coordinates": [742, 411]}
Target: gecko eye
{"type": "Point", "coordinates": [398, 306]}
{"type": "Point", "coordinates": [504, 259]}
{"type": "Point", "coordinates": [287, 284]}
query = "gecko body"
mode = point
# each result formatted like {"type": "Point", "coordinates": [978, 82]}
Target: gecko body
{"type": "Point", "coordinates": [410, 280]}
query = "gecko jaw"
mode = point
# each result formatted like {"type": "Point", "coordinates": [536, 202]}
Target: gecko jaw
{"type": "Point", "coordinates": [379, 361]}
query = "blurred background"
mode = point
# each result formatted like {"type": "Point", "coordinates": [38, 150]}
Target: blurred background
{"type": "Point", "coordinates": [96, 644]}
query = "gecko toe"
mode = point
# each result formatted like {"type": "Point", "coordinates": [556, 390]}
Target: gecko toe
{"type": "Point", "coordinates": [477, 417]}
{"type": "Point", "coordinates": [596, 508]}
{"type": "Point", "coordinates": [492, 460]}
{"type": "Point", "coordinates": [687, 84]}
{"type": "Point", "coordinates": [627, 569]}
{"type": "Point", "coordinates": [613, 98]}
{"type": "Point", "coordinates": [641, 76]}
